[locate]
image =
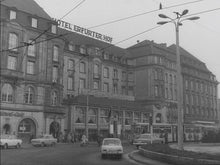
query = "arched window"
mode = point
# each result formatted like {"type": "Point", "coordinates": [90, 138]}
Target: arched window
{"type": "Point", "coordinates": [7, 93]}
{"type": "Point", "coordinates": [54, 98]}
{"type": "Point", "coordinates": [29, 95]}
{"type": "Point", "coordinates": [82, 67]}
{"type": "Point", "coordinates": [13, 41]}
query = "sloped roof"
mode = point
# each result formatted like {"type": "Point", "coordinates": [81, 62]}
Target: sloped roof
{"type": "Point", "coordinates": [147, 47]}
{"type": "Point", "coordinates": [80, 39]}
{"type": "Point", "coordinates": [29, 6]}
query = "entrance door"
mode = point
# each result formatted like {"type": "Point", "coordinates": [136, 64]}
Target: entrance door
{"type": "Point", "coordinates": [55, 129]}
{"type": "Point", "coordinates": [27, 130]}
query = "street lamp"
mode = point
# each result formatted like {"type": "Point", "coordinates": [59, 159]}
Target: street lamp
{"type": "Point", "coordinates": [178, 22]}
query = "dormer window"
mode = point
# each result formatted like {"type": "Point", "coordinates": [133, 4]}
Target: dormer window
{"type": "Point", "coordinates": [34, 22]}
{"type": "Point", "coordinates": [12, 15]}
{"type": "Point", "coordinates": [71, 47]}
{"type": "Point", "coordinates": [82, 50]}
{"type": "Point", "coordinates": [53, 29]}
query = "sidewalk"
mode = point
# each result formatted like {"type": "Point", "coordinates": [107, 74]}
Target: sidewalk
{"type": "Point", "coordinates": [141, 159]}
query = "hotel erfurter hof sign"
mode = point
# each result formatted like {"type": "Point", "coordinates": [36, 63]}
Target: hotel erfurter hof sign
{"type": "Point", "coordinates": [84, 31]}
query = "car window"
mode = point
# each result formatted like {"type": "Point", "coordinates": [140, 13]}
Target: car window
{"type": "Point", "coordinates": [111, 142]}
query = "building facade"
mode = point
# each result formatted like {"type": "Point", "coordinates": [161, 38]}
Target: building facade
{"type": "Point", "coordinates": [31, 67]}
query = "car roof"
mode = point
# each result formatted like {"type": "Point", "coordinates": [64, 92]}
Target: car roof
{"type": "Point", "coordinates": [111, 139]}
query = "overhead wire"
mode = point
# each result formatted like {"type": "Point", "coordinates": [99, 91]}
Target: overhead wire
{"type": "Point", "coordinates": [140, 14]}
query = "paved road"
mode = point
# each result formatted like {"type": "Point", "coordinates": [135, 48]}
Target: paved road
{"type": "Point", "coordinates": [62, 154]}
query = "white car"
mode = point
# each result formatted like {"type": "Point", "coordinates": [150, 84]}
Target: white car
{"type": "Point", "coordinates": [144, 139]}
{"type": "Point", "coordinates": [111, 147]}
{"type": "Point", "coordinates": [7, 141]}
{"type": "Point", "coordinates": [45, 140]}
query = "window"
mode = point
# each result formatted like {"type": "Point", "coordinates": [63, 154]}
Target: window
{"type": "Point", "coordinates": [166, 77]}
{"type": "Point", "coordinates": [128, 118]}
{"type": "Point", "coordinates": [80, 115]}
{"type": "Point", "coordinates": [130, 76]}
{"type": "Point", "coordinates": [53, 28]}
{"type": "Point", "coordinates": [82, 83]}
{"type": "Point", "coordinates": [106, 87]}
{"type": "Point", "coordinates": [82, 67]}
{"type": "Point", "coordinates": [123, 90]}
{"type": "Point", "coordinates": [70, 65]}
{"type": "Point", "coordinates": [156, 91]}
{"type": "Point", "coordinates": [124, 76]}
{"type": "Point", "coordinates": [70, 83]}
{"type": "Point", "coordinates": [166, 93]}
{"type": "Point", "coordinates": [12, 14]}
{"type": "Point", "coordinates": [131, 91]}
{"type": "Point", "coordinates": [82, 50]}
{"type": "Point", "coordinates": [104, 116]}
{"type": "Point", "coordinates": [137, 117]}
{"type": "Point", "coordinates": [30, 67]}
{"type": "Point", "coordinates": [31, 49]}
{"type": "Point", "coordinates": [92, 119]}
{"type": "Point", "coordinates": [34, 22]}
{"type": "Point", "coordinates": [158, 118]}
{"type": "Point", "coordinates": [55, 74]}
{"type": "Point", "coordinates": [106, 56]}
{"type": "Point", "coordinates": [115, 88]}
{"type": "Point", "coordinates": [7, 93]}
{"type": "Point", "coordinates": [96, 69]}
{"type": "Point", "coordinates": [55, 53]}
{"type": "Point", "coordinates": [54, 99]}
{"type": "Point", "coordinates": [115, 73]}
{"type": "Point", "coordinates": [13, 42]}
{"type": "Point", "coordinates": [106, 72]}
{"type": "Point", "coordinates": [29, 95]}
{"type": "Point", "coordinates": [96, 85]}
{"type": "Point", "coordinates": [12, 62]}
{"type": "Point", "coordinates": [71, 47]}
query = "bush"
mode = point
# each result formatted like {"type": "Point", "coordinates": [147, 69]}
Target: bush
{"type": "Point", "coordinates": [211, 137]}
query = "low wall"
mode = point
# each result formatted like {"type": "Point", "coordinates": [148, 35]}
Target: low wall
{"type": "Point", "coordinates": [177, 160]}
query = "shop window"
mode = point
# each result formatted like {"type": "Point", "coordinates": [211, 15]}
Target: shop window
{"type": "Point", "coordinates": [6, 129]}
{"type": "Point", "coordinates": [128, 118]}
{"type": "Point", "coordinates": [104, 116]}
{"type": "Point", "coordinates": [92, 116]}
{"type": "Point", "coordinates": [158, 118]}
{"type": "Point", "coordinates": [80, 115]}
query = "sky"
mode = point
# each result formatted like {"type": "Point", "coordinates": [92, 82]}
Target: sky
{"type": "Point", "coordinates": [200, 37]}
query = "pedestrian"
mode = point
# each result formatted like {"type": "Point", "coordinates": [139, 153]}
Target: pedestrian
{"type": "Point", "coordinates": [69, 138]}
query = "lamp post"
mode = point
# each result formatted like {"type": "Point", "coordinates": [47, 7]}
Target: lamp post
{"type": "Point", "coordinates": [178, 22]}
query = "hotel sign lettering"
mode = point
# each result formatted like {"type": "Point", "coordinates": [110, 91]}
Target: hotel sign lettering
{"type": "Point", "coordinates": [84, 31]}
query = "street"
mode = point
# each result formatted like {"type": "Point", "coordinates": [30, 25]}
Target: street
{"type": "Point", "coordinates": [62, 154]}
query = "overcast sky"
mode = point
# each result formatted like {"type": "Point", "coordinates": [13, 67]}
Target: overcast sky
{"type": "Point", "coordinates": [201, 37]}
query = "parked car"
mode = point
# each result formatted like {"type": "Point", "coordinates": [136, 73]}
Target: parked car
{"type": "Point", "coordinates": [7, 141]}
{"type": "Point", "coordinates": [111, 147]}
{"type": "Point", "coordinates": [45, 140]}
{"type": "Point", "coordinates": [144, 139]}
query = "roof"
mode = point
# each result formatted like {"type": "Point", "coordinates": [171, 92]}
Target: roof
{"type": "Point", "coordinates": [29, 6]}
{"type": "Point", "coordinates": [147, 47]}
{"type": "Point", "coordinates": [106, 102]}
{"type": "Point", "coordinates": [80, 39]}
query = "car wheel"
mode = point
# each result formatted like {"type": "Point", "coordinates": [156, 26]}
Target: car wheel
{"type": "Point", "coordinates": [42, 144]}
{"type": "Point", "coordinates": [18, 145]}
{"type": "Point", "coordinates": [5, 146]}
